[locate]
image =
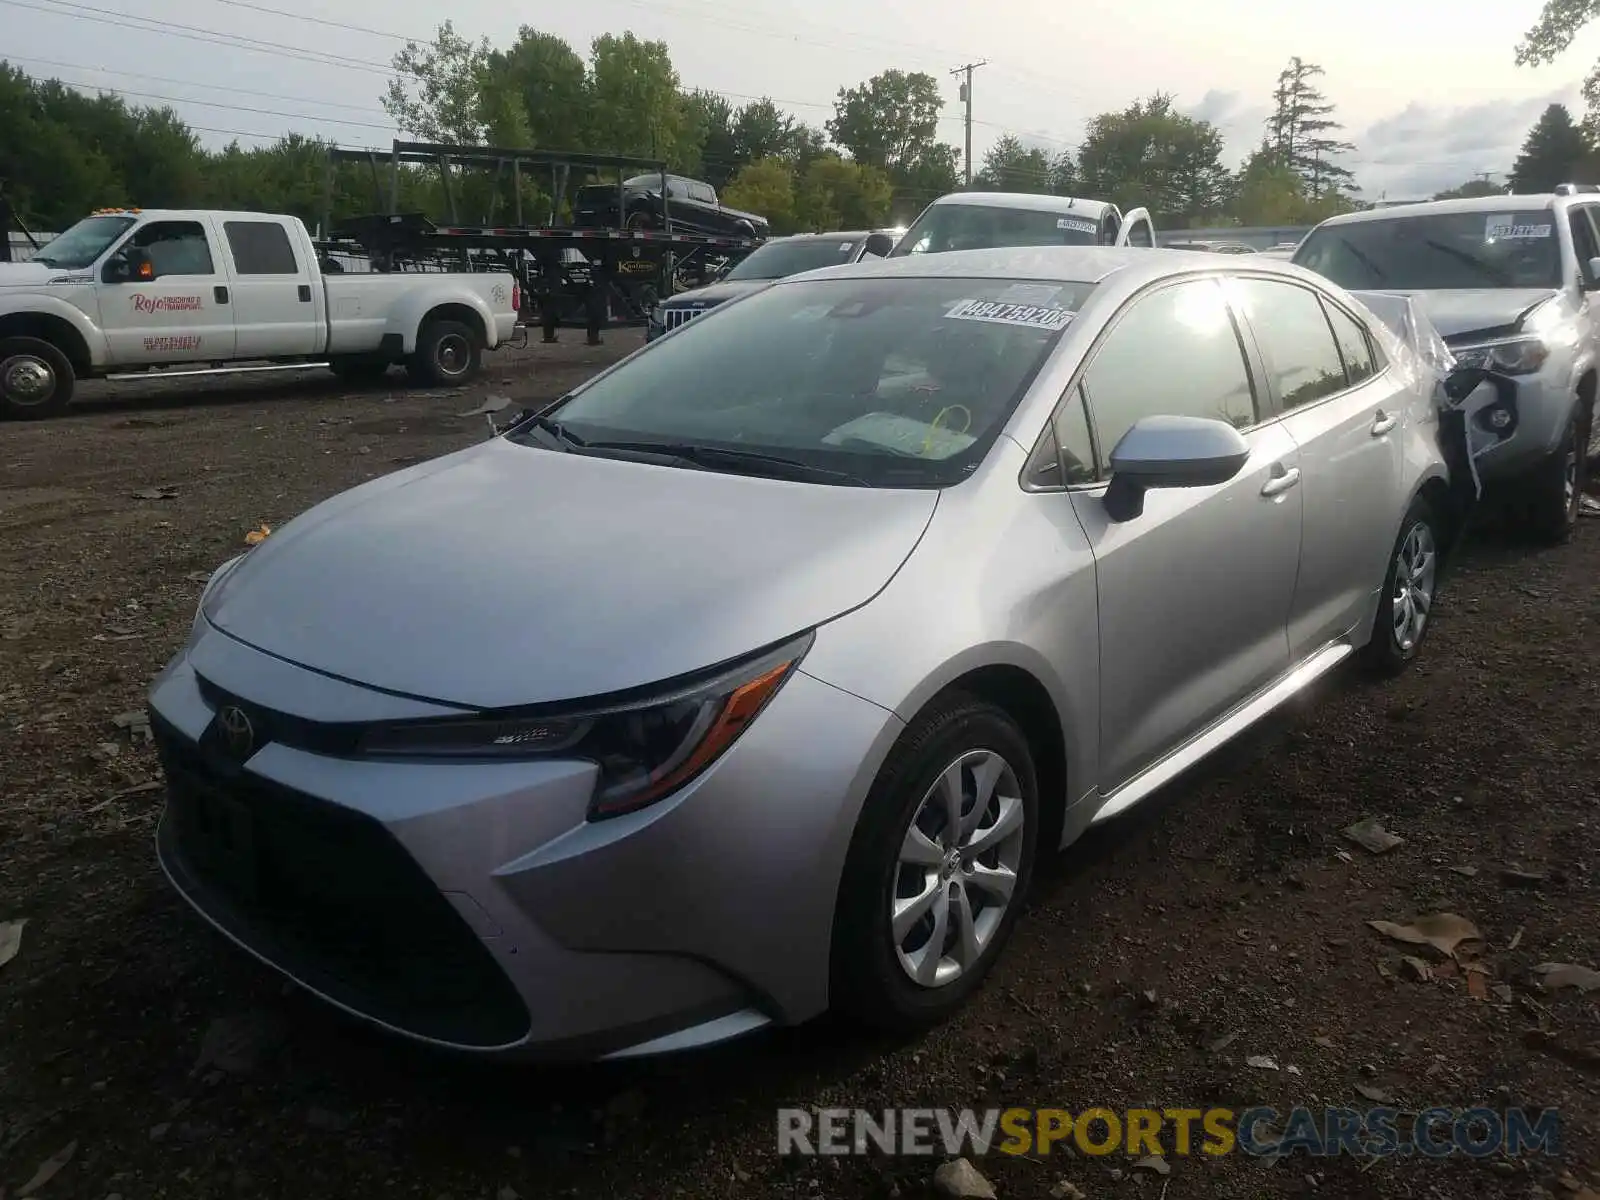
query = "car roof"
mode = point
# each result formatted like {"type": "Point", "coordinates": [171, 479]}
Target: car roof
{"type": "Point", "coordinates": [1469, 204]}
{"type": "Point", "coordinates": [1032, 201]}
{"type": "Point", "coordinates": [1056, 264]}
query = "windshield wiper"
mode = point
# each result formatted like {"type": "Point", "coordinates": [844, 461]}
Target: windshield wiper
{"type": "Point", "coordinates": [1486, 269]}
{"type": "Point", "coordinates": [712, 457]}
{"type": "Point", "coordinates": [555, 432]}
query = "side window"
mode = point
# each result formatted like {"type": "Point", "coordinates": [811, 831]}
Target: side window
{"type": "Point", "coordinates": [1073, 442]}
{"type": "Point", "coordinates": [176, 247]}
{"type": "Point", "coordinates": [703, 193]}
{"type": "Point", "coordinates": [1295, 339]}
{"type": "Point", "coordinates": [1584, 244]}
{"type": "Point", "coordinates": [1355, 345]}
{"type": "Point", "coordinates": [1174, 352]}
{"type": "Point", "coordinates": [260, 248]}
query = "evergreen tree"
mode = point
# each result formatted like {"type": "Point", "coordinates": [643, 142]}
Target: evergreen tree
{"type": "Point", "coordinates": [1556, 152]}
{"type": "Point", "coordinates": [1301, 131]}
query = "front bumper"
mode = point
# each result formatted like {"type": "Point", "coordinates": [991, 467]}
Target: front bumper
{"type": "Point", "coordinates": [473, 906]}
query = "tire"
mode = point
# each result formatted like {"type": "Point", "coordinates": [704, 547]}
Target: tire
{"type": "Point", "coordinates": [36, 379]}
{"type": "Point", "coordinates": [871, 974]}
{"type": "Point", "coordinates": [1410, 592]}
{"type": "Point", "coordinates": [448, 353]}
{"type": "Point", "coordinates": [359, 372]}
{"type": "Point", "coordinates": [1555, 487]}
{"type": "Point", "coordinates": [640, 218]}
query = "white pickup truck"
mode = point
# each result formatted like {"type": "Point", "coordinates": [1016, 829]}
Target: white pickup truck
{"type": "Point", "coordinates": [126, 291]}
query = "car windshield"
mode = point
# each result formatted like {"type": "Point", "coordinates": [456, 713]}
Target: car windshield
{"type": "Point", "coordinates": [1438, 251]}
{"type": "Point", "coordinates": [899, 382]}
{"type": "Point", "coordinates": [986, 227]}
{"type": "Point", "coordinates": [86, 241]}
{"type": "Point", "coordinates": [790, 256]}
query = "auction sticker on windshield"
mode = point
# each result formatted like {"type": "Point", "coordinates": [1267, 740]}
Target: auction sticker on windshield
{"type": "Point", "coordinates": [1502, 228]}
{"type": "Point", "coordinates": [1077, 225]}
{"type": "Point", "coordinates": [1029, 315]}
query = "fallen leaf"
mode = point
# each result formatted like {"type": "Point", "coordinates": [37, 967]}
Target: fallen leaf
{"type": "Point", "coordinates": [1376, 1095]}
{"type": "Point", "coordinates": [1516, 877]}
{"type": "Point", "coordinates": [256, 536]}
{"type": "Point", "coordinates": [155, 493]}
{"type": "Point", "coordinates": [1223, 1042]}
{"type": "Point", "coordinates": [48, 1170]}
{"type": "Point", "coordinates": [1370, 835]}
{"type": "Point", "coordinates": [491, 404]}
{"type": "Point", "coordinates": [1325, 1042]}
{"type": "Point", "coordinates": [1560, 975]}
{"type": "Point", "coordinates": [1261, 1062]}
{"type": "Point", "coordinates": [1477, 985]}
{"type": "Point", "coordinates": [1443, 931]}
{"type": "Point", "coordinates": [1468, 872]}
{"type": "Point", "coordinates": [1502, 992]}
{"type": "Point", "coordinates": [1516, 940]}
{"type": "Point", "coordinates": [1420, 970]}
{"type": "Point", "coordinates": [1155, 1163]}
{"type": "Point", "coordinates": [10, 939]}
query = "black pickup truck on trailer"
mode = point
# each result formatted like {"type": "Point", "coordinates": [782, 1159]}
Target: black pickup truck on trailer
{"type": "Point", "coordinates": [692, 206]}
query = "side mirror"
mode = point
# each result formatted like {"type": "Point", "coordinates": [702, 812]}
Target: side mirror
{"type": "Point", "coordinates": [1593, 281]}
{"type": "Point", "coordinates": [129, 265]}
{"type": "Point", "coordinates": [1171, 452]}
{"type": "Point", "coordinates": [879, 245]}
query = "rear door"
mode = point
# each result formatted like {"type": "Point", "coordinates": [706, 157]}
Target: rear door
{"type": "Point", "coordinates": [274, 305]}
{"type": "Point", "coordinates": [180, 312]}
{"type": "Point", "coordinates": [1346, 413]}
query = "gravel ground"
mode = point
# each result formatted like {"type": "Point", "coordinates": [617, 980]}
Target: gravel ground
{"type": "Point", "coordinates": [1224, 920]}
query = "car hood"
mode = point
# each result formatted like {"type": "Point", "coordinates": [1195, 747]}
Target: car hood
{"type": "Point", "coordinates": [717, 293]}
{"type": "Point", "coordinates": [28, 274]}
{"type": "Point", "coordinates": [1461, 311]}
{"type": "Point", "coordinates": [507, 575]}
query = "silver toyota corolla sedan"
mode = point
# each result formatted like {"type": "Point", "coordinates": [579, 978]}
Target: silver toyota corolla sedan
{"type": "Point", "coordinates": [754, 676]}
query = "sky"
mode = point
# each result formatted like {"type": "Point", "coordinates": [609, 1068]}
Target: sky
{"type": "Point", "coordinates": [1429, 95]}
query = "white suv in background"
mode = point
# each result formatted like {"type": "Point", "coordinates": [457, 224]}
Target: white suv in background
{"type": "Point", "coordinates": [1510, 282]}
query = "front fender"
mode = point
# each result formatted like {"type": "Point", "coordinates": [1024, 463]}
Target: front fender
{"type": "Point", "coordinates": [33, 302]}
{"type": "Point", "coordinates": [407, 315]}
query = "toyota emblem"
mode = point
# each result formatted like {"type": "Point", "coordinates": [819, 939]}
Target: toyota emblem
{"type": "Point", "coordinates": [238, 735]}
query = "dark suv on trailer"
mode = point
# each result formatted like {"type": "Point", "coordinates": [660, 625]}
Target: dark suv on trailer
{"type": "Point", "coordinates": [764, 266]}
{"type": "Point", "coordinates": [691, 205]}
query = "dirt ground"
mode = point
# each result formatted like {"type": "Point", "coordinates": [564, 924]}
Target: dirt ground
{"type": "Point", "coordinates": [1225, 920]}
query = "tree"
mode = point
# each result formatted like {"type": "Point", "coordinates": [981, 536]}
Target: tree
{"type": "Point", "coordinates": [437, 90]}
{"type": "Point", "coordinates": [1559, 23]}
{"type": "Point", "coordinates": [708, 119]}
{"type": "Point", "coordinates": [549, 82]}
{"type": "Point", "coordinates": [1472, 189]}
{"type": "Point", "coordinates": [1556, 152]}
{"type": "Point", "coordinates": [1302, 127]}
{"type": "Point", "coordinates": [1152, 155]}
{"type": "Point", "coordinates": [766, 187]}
{"type": "Point", "coordinates": [891, 122]}
{"type": "Point", "coordinates": [1008, 166]}
{"type": "Point", "coordinates": [636, 104]}
{"type": "Point", "coordinates": [1269, 192]}
{"type": "Point", "coordinates": [835, 193]}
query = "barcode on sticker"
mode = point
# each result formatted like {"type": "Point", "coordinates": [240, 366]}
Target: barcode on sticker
{"type": "Point", "coordinates": [1031, 316]}
{"type": "Point", "coordinates": [1077, 225]}
{"type": "Point", "coordinates": [1500, 230]}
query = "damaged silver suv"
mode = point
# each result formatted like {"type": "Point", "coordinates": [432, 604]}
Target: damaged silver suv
{"type": "Point", "coordinates": [1511, 283]}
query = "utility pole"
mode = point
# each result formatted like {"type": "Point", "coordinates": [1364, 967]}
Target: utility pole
{"type": "Point", "coordinates": [966, 96]}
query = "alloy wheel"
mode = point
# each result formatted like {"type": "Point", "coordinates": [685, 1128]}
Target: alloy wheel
{"type": "Point", "coordinates": [1415, 572]}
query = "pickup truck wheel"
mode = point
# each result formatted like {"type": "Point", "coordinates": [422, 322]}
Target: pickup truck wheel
{"type": "Point", "coordinates": [448, 353]}
{"type": "Point", "coordinates": [1555, 489]}
{"type": "Point", "coordinates": [36, 379]}
{"type": "Point", "coordinates": [640, 219]}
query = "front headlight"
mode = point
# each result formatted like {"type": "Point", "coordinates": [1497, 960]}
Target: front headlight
{"type": "Point", "coordinates": [1513, 356]}
{"type": "Point", "coordinates": [645, 748]}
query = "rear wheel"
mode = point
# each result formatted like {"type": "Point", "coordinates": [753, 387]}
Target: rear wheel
{"type": "Point", "coordinates": [1405, 610]}
{"type": "Point", "coordinates": [448, 353]}
{"type": "Point", "coordinates": [36, 379]}
{"type": "Point", "coordinates": [937, 868]}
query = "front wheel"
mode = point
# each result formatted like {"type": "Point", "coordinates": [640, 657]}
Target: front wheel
{"type": "Point", "coordinates": [1555, 489]}
{"type": "Point", "coordinates": [937, 868]}
{"type": "Point", "coordinates": [1405, 609]}
{"type": "Point", "coordinates": [448, 353]}
{"type": "Point", "coordinates": [36, 379]}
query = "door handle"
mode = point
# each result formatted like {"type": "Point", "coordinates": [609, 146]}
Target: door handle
{"type": "Point", "coordinates": [305, 293]}
{"type": "Point", "coordinates": [221, 294]}
{"type": "Point", "coordinates": [1382, 423]}
{"type": "Point", "coordinates": [1281, 481]}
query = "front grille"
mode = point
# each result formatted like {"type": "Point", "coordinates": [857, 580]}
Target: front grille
{"type": "Point", "coordinates": [330, 896]}
{"type": "Point", "coordinates": [671, 318]}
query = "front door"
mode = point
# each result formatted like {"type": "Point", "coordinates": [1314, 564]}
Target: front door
{"type": "Point", "coordinates": [181, 312]}
{"type": "Point", "coordinates": [1349, 424]}
{"type": "Point", "coordinates": [1194, 594]}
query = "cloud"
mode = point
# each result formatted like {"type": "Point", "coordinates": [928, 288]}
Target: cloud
{"type": "Point", "coordinates": [1240, 120]}
{"type": "Point", "coordinates": [1423, 149]}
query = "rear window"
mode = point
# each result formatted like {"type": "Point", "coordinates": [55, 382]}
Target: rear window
{"type": "Point", "coordinates": [260, 248]}
{"type": "Point", "coordinates": [1438, 251]}
{"type": "Point", "coordinates": [985, 227]}
{"type": "Point", "coordinates": [790, 256]}
{"type": "Point", "coordinates": [904, 382]}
